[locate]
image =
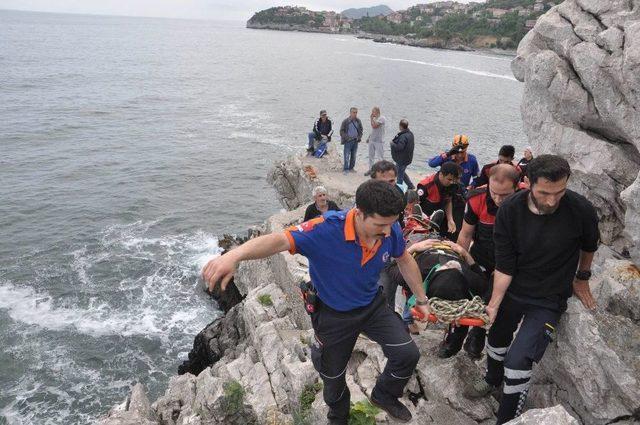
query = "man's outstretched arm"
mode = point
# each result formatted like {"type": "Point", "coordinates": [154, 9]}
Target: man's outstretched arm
{"type": "Point", "coordinates": [223, 268]}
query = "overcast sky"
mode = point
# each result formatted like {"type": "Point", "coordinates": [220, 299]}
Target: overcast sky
{"type": "Point", "coordinates": [202, 9]}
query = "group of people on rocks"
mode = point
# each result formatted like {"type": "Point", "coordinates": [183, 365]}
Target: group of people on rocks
{"type": "Point", "coordinates": [513, 234]}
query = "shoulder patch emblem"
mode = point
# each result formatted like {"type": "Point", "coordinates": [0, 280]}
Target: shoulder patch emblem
{"type": "Point", "coordinates": [420, 192]}
{"type": "Point", "coordinates": [307, 226]}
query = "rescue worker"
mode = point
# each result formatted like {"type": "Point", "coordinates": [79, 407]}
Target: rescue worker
{"type": "Point", "coordinates": [505, 156]}
{"type": "Point", "coordinates": [437, 192]}
{"type": "Point", "coordinates": [542, 236]}
{"type": "Point", "coordinates": [346, 252]}
{"type": "Point", "coordinates": [458, 154]}
{"type": "Point", "coordinates": [479, 218]}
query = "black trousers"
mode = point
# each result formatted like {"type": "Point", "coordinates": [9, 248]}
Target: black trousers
{"type": "Point", "coordinates": [511, 359]}
{"type": "Point", "coordinates": [336, 334]}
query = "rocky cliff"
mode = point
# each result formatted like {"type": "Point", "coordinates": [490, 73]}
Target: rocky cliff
{"type": "Point", "coordinates": [581, 70]}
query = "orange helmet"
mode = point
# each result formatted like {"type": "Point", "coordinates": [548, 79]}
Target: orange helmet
{"type": "Point", "coordinates": [461, 140]}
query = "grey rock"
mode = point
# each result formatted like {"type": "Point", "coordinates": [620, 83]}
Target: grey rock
{"type": "Point", "coordinates": [581, 69]}
{"type": "Point", "coordinates": [139, 403]}
{"type": "Point", "coordinates": [135, 410]}
{"type": "Point", "coordinates": [631, 197]}
{"type": "Point", "coordinates": [556, 415]}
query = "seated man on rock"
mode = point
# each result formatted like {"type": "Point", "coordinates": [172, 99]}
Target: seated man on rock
{"type": "Point", "coordinates": [321, 132]}
{"type": "Point", "coordinates": [321, 204]}
{"type": "Point", "coordinates": [449, 273]}
{"type": "Point", "coordinates": [347, 250]}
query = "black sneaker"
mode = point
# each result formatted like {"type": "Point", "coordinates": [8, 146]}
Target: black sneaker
{"type": "Point", "coordinates": [452, 343]}
{"type": "Point", "coordinates": [394, 408]}
{"type": "Point", "coordinates": [474, 344]}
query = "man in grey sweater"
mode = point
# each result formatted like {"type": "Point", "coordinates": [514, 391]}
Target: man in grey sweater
{"type": "Point", "coordinates": [350, 136]}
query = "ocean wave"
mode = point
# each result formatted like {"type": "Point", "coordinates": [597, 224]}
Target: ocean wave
{"type": "Point", "coordinates": [440, 65]}
{"type": "Point", "coordinates": [161, 299]}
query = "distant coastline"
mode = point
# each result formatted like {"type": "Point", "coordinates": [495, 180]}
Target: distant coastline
{"type": "Point", "coordinates": [432, 43]}
{"type": "Point", "coordinates": [496, 25]}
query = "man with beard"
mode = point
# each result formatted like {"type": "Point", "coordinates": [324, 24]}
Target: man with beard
{"type": "Point", "coordinates": [346, 252]}
{"type": "Point", "coordinates": [545, 239]}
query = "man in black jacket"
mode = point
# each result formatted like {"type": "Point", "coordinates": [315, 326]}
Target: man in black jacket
{"type": "Point", "coordinates": [545, 239]}
{"type": "Point", "coordinates": [402, 152]}
{"type": "Point", "coordinates": [321, 131]}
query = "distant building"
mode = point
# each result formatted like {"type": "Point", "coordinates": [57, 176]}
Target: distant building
{"type": "Point", "coordinates": [530, 23]}
{"type": "Point", "coordinates": [497, 13]}
{"type": "Point", "coordinates": [425, 8]}
{"type": "Point", "coordinates": [395, 17]}
{"type": "Point", "coordinates": [538, 6]}
{"type": "Point", "coordinates": [435, 18]}
{"type": "Point", "coordinates": [418, 18]}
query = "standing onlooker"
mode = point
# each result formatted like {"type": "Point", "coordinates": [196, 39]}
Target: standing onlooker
{"type": "Point", "coordinates": [375, 140]}
{"type": "Point", "coordinates": [321, 131]}
{"type": "Point", "coordinates": [321, 204]}
{"type": "Point", "coordinates": [402, 152]}
{"type": "Point", "coordinates": [528, 156]}
{"type": "Point", "coordinates": [350, 135]}
{"type": "Point", "coordinates": [458, 154]}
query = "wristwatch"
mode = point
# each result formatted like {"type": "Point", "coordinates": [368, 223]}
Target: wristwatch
{"type": "Point", "coordinates": [583, 274]}
{"type": "Point", "coordinates": [425, 302]}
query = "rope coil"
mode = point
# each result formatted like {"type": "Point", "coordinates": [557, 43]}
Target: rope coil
{"type": "Point", "coordinates": [449, 311]}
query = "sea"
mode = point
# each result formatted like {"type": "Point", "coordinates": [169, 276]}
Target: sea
{"type": "Point", "coordinates": [129, 145]}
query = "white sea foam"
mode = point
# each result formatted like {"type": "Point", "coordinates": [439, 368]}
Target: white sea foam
{"type": "Point", "coordinates": [163, 302]}
{"type": "Point", "coordinates": [440, 65]}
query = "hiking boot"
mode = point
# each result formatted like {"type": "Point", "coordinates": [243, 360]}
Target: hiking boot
{"type": "Point", "coordinates": [478, 388]}
{"type": "Point", "coordinates": [452, 343]}
{"type": "Point", "coordinates": [344, 421]}
{"type": "Point", "coordinates": [394, 408]}
{"type": "Point", "coordinates": [474, 344]}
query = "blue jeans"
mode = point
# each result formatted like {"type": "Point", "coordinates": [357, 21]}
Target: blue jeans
{"type": "Point", "coordinates": [350, 150]}
{"type": "Point", "coordinates": [312, 138]}
{"type": "Point", "coordinates": [403, 176]}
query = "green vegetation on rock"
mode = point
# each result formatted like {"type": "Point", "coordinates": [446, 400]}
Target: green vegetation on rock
{"type": "Point", "coordinates": [233, 400]}
{"type": "Point", "coordinates": [363, 413]}
{"type": "Point", "coordinates": [265, 300]}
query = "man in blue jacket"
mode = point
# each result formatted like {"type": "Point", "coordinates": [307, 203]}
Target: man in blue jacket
{"type": "Point", "coordinates": [347, 250]}
{"type": "Point", "coordinates": [458, 154]}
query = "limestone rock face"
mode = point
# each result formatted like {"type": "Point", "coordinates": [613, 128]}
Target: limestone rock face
{"type": "Point", "coordinates": [581, 69]}
{"type": "Point", "coordinates": [594, 361]}
{"type": "Point", "coordinates": [556, 415]}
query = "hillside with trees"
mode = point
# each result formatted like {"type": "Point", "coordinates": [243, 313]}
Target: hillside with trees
{"type": "Point", "coordinates": [447, 24]}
